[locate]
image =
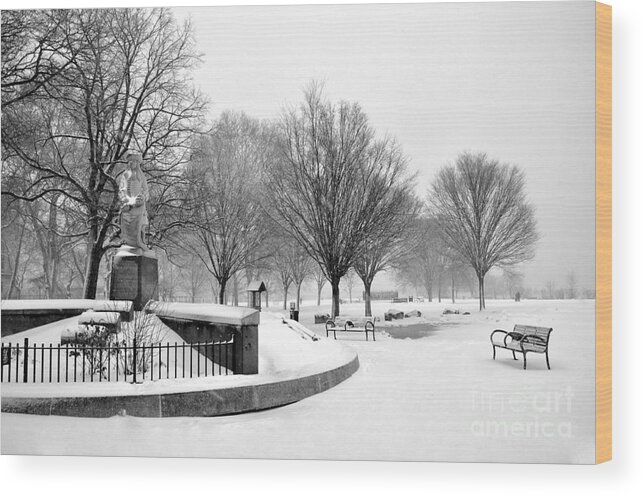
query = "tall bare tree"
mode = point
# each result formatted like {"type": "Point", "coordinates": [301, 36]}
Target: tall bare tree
{"type": "Point", "coordinates": [228, 221]}
{"type": "Point", "coordinates": [301, 268]}
{"type": "Point", "coordinates": [349, 283]}
{"type": "Point", "coordinates": [424, 259]}
{"type": "Point", "coordinates": [110, 80]}
{"type": "Point", "coordinates": [32, 44]}
{"type": "Point", "coordinates": [550, 288]}
{"type": "Point", "coordinates": [320, 281]}
{"type": "Point", "coordinates": [386, 246]}
{"type": "Point", "coordinates": [513, 280]}
{"type": "Point", "coordinates": [328, 182]}
{"type": "Point", "coordinates": [280, 262]}
{"type": "Point", "coordinates": [484, 215]}
{"type": "Point", "coordinates": [572, 285]}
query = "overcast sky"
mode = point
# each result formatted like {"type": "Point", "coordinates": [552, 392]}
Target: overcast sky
{"type": "Point", "coordinates": [515, 80]}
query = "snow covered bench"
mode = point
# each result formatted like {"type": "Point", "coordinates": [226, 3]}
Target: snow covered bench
{"type": "Point", "coordinates": [345, 324]}
{"type": "Point", "coordinates": [523, 339]}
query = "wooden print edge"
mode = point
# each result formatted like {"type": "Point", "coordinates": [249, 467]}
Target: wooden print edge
{"type": "Point", "coordinates": [603, 232]}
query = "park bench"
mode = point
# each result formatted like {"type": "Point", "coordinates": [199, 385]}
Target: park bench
{"type": "Point", "coordinates": [523, 339]}
{"type": "Point", "coordinates": [346, 324]}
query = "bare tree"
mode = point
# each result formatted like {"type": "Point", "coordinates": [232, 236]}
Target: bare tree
{"type": "Point", "coordinates": [281, 268]}
{"type": "Point", "coordinates": [389, 241]}
{"type": "Point", "coordinates": [513, 280]}
{"type": "Point", "coordinates": [15, 236]}
{"type": "Point", "coordinates": [228, 221]}
{"type": "Point", "coordinates": [551, 289]}
{"type": "Point", "coordinates": [32, 41]}
{"type": "Point", "coordinates": [572, 285]}
{"type": "Point", "coordinates": [320, 281]}
{"type": "Point", "coordinates": [484, 214]}
{"type": "Point", "coordinates": [424, 259]}
{"type": "Point", "coordinates": [328, 182]}
{"type": "Point", "coordinates": [301, 268]}
{"type": "Point", "coordinates": [112, 79]}
{"type": "Point", "coordinates": [50, 221]}
{"type": "Point", "coordinates": [378, 255]}
{"type": "Point", "coordinates": [169, 278]}
{"type": "Point", "coordinates": [456, 271]}
{"type": "Point", "coordinates": [349, 282]}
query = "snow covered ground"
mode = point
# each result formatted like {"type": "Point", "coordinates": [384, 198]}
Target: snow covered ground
{"type": "Point", "coordinates": [439, 397]}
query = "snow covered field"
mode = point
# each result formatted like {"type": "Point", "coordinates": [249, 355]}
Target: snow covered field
{"type": "Point", "coordinates": [439, 397]}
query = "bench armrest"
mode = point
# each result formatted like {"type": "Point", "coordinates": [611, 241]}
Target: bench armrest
{"type": "Point", "coordinates": [498, 330]}
{"type": "Point", "coordinates": [332, 324]}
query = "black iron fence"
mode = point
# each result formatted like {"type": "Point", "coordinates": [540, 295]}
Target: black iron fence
{"type": "Point", "coordinates": [32, 363]}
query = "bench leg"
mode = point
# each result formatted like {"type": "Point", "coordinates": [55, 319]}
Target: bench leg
{"type": "Point", "coordinates": [514, 354]}
{"type": "Point", "coordinates": [547, 358]}
{"type": "Point", "coordinates": [524, 359]}
{"type": "Point", "coordinates": [373, 334]}
{"type": "Point", "coordinates": [366, 335]}
{"type": "Point", "coordinates": [494, 351]}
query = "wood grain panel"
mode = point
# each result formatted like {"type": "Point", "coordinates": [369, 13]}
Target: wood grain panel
{"type": "Point", "coordinates": [603, 232]}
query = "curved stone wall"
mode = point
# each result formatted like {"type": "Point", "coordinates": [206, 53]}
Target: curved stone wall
{"type": "Point", "coordinates": [208, 403]}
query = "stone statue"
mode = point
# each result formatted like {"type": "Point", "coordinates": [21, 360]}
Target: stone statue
{"type": "Point", "coordinates": [133, 193]}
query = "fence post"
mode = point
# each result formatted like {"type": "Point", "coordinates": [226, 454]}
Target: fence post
{"type": "Point", "coordinates": [134, 359]}
{"type": "Point", "coordinates": [25, 363]}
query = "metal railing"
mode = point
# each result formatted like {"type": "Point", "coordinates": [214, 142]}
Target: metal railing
{"type": "Point", "coordinates": [113, 363]}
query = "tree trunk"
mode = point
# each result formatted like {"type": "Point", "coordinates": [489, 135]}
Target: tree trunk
{"type": "Point", "coordinates": [286, 296]}
{"type": "Point", "coordinates": [335, 306]}
{"type": "Point", "coordinates": [91, 272]}
{"type": "Point", "coordinates": [452, 288]}
{"type": "Point", "coordinates": [298, 295]}
{"type": "Point", "coordinates": [319, 290]}
{"type": "Point", "coordinates": [429, 291]}
{"type": "Point", "coordinates": [14, 272]}
{"type": "Point", "coordinates": [54, 289]}
{"type": "Point", "coordinates": [440, 288]}
{"type": "Point", "coordinates": [235, 294]}
{"type": "Point", "coordinates": [367, 299]}
{"type": "Point", "coordinates": [481, 292]}
{"type": "Point", "coordinates": [222, 285]}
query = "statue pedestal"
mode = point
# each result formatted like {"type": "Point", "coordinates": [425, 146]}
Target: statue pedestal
{"type": "Point", "coordinates": [135, 278]}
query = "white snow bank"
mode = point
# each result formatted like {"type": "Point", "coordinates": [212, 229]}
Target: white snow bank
{"type": "Point", "coordinates": [209, 312]}
{"type": "Point", "coordinates": [439, 398]}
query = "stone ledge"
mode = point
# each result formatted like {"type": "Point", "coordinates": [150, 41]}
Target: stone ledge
{"type": "Point", "coordinates": [209, 313]}
{"type": "Point", "coordinates": [208, 403]}
{"type": "Point", "coordinates": [20, 315]}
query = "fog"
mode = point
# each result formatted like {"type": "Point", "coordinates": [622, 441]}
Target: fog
{"type": "Point", "coordinates": [515, 80]}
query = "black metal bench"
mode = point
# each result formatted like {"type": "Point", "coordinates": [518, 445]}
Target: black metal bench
{"type": "Point", "coordinates": [400, 300]}
{"type": "Point", "coordinates": [524, 339]}
{"type": "Point", "coordinates": [340, 324]}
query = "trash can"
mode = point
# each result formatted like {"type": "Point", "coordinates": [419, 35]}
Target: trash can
{"type": "Point", "coordinates": [294, 315]}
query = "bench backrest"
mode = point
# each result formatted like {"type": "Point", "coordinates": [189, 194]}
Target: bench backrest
{"type": "Point", "coordinates": [540, 332]}
{"type": "Point", "coordinates": [357, 321]}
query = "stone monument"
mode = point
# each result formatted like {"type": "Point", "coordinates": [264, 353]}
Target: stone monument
{"type": "Point", "coordinates": [134, 274]}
